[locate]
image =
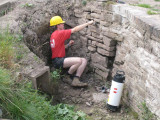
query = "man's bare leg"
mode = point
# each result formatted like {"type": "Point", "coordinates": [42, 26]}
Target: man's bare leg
{"type": "Point", "coordinates": [76, 64]}
{"type": "Point", "coordinates": [81, 67]}
{"type": "Point", "coordinates": [73, 63]}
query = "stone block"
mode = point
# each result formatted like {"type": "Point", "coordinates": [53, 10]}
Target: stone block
{"type": "Point", "coordinates": [155, 48]}
{"type": "Point", "coordinates": [78, 15]}
{"type": "Point", "coordinates": [106, 53]}
{"type": "Point", "coordinates": [88, 16]}
{"type": "Point", "coordinates": [99, 97]}
{"type": "Point", "coordinates": [119, 38]}
{"type": "Point", "coordinates": [92, 49]}
{"type": "Point", "coordinates": [83, 38]}
{"type": "Point", "coordinates": [156, 34]}
{"type": "Point", "coordinates": [95, 15]}
{"type": "Point", "coordinates": [95, 29]}
{"type": "Point", "coordinates": [93, 38]}
{"type": "Point", "coordinates": [149, 27]}
{"type": "Point", "coordinates": [96, 35]}
{"type": "Point", "coordinates": [105, 24]}
{"type": "Point", "coordinates": [101, 73]}
{"type": "Point", "coordinates": [87, 9]}
{"type": "Point", "coordinates": [99, 59]}
{"type": "Point", "coordinates": [97, 20]}
{"type": "Point", "coordinates": [106, 47]}
{"type": "Point", "coordinates": [81, 21]}
{"type": "Point", "coordinates": [95, 10]}
{"type": "Point", "coordinates": [110, 34]}
{"type": "Point", "coordinates": [117, 18]}
{"type": "Point", "coordinates": [101, 67]}
{"type": "Point", "coordinates": [108, 17]}
{"type": "Point", "coordinates": [78, 11]}
{"type": "Point", "coordinates": [89, 42]}
{"type": "Point", "coordinates": [82, 32]}
{"type": "Point", "coordinates": [94, 43]}
{"type": "Point", "coordinates": [140, 25]}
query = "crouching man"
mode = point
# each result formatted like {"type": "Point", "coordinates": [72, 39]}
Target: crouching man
{"type": "Point", "coordinates": [57, 39]}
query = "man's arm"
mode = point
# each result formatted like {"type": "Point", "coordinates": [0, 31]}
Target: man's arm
{"type": "Point", "coordinates": [80, 27]}
{"type": "Point", "coordinates": [71, 42]}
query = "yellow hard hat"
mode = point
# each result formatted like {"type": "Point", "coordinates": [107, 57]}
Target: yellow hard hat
{"type": "Point", "coordinates": [56, 20]}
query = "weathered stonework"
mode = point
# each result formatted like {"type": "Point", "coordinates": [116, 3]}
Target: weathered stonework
{"type": "Point", "coordinates": [119, 31]}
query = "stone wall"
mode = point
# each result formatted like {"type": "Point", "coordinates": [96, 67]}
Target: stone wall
{"type": "Point", "coordinates": [129, 39]}
{"type": "Point", "coordinates": [121, 38]}
{"type": "Point", "coordinates": [138, 55]}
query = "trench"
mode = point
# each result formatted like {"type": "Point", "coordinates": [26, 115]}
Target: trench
{"type": "Point", "coordinates": [97, 73]}
{"type": "Point", "coordinates": [37, 34]}
{"type": "Point", "coordinates": [118, 39]}
{"type": "Point", "coordinates": [62, 92]}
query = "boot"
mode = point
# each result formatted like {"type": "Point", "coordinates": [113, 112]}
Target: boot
{"type": "Point", "coordinates": [77, 83]}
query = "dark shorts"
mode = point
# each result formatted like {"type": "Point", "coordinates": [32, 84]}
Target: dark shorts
{"type": "Point", "coordinates": [58, 62]}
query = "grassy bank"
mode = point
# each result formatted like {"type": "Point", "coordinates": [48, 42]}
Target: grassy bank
{"type": "Point", "coordinates": [19, 101]}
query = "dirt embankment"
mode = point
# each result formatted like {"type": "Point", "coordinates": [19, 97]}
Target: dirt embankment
{"type": "Point", "coordinates": [91, 100]}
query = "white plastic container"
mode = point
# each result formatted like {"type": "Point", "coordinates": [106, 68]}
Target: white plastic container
{"type": "Point", "coordinates": [116, 91]}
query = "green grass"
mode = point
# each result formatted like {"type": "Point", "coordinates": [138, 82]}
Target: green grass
{"type": "Point", "coordinates": [157, 0]}
{"type": "Point", "coordinates": [27, 5]}
{"type": "Point", "coordinates": [144, 5]}
{"type": "Point", "coordinates": [56, 75]}
{"type": "Point", "coordinates": [149, 12]}
{"type": "Point", "coordinates": [9, 50]}
{"type": "Point", "coordinates": [146, 113]}
{"type": "Point", "coordinates": [20, 102]}
{"type": "Point", "coordinates": [84, 2]}
{"type": "Point", "coordinates": [6, 49]}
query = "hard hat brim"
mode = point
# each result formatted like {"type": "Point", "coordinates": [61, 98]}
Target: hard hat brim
{"type": "Point", "coordinates": [59, 23]}
{"type": "Point", "coordinates": [63, 22]}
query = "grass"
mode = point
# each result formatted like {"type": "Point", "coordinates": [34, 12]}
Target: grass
{"type": "Point", "coordinates": [146, 113]}
{"type": "Point", "coordinates": [157, 0]}
{"type": "Point", "coordinates": [149, 12]}
{"type": "Point", "coordinates": [144, 5]}
{"type": "Point", "coordinates": [27, 5]}
{"type": "Point", "coordinates": [6, 49]}
{"type": "Point", "coordinates": [4, 12]}
{"type": "Point", "coordinates": [56, 75]}
{"type": "Point", "coordinates": [8, 53]}
{"type": "Point", "coordinates": [18, 101]}
{"type": "Point", "coordinates": [107, 3]}
{"type": "Point", "coordinates": [84, 2]}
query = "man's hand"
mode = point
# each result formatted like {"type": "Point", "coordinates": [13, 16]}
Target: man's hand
{"type": "Point", "coordinates": [90, 22]}
{"type": "Point", "coordinates": [80, 27]}
{"type": "Point", "coordinates": [71, 42]}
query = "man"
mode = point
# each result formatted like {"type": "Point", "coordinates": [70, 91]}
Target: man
{"type": "Point", "coordinates": [58, 37]}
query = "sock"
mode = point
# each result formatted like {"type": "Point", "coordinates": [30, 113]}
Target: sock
{"type": "Point", "coordinates": [77, 76]}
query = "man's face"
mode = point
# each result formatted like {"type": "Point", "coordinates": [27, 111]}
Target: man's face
{"type": "Point", "coordinates": [61, 26]}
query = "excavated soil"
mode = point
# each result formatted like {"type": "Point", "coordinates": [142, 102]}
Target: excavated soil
{"type": "Point", "coordinates": [91, 100]}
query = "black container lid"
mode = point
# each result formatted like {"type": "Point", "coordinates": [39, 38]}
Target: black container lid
{"type": "Point", "coordinates": [119, 77]}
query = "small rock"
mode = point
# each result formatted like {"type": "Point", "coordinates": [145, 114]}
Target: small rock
{"type": "Point", "coordinates": [98, 118]}
{"type": "Point", "coordinates": [0, 113]}
{"type": "Point", "coordinates": [88, 104]}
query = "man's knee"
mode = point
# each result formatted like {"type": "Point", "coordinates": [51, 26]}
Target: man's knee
{"type": "Point", "coordinates": [84, 60]}
{"type": "Point", "coordinates": [79, 61]}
